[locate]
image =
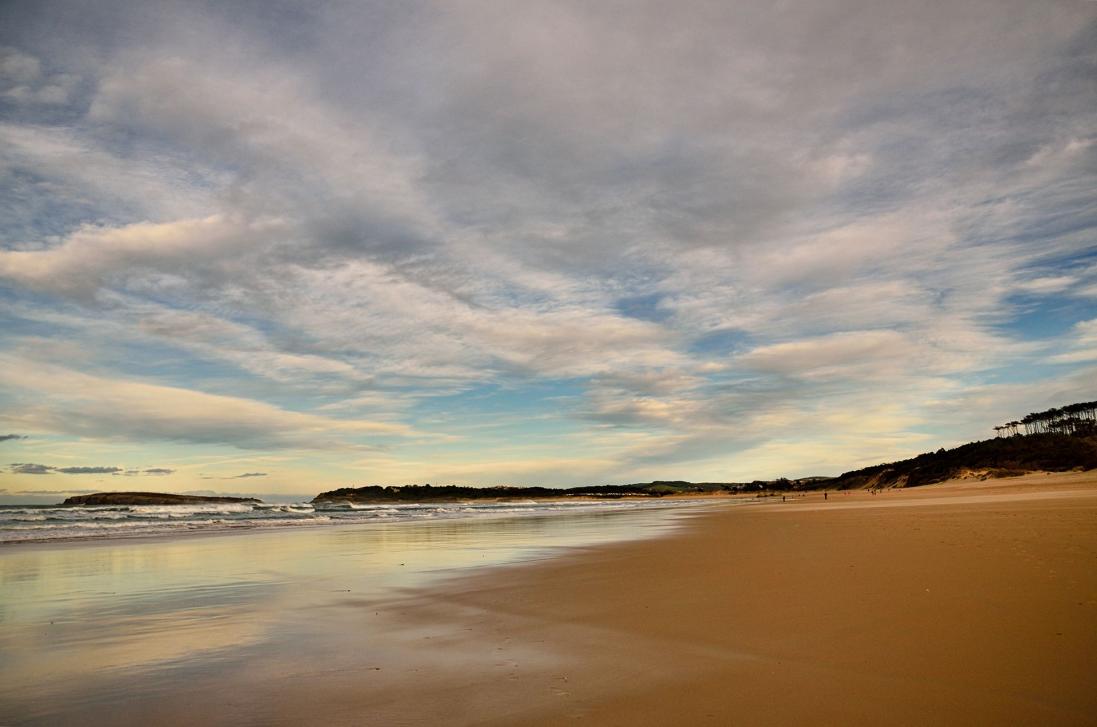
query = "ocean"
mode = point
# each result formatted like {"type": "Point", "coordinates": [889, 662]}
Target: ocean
{"type": "Point", "coordinates": [31, 523]}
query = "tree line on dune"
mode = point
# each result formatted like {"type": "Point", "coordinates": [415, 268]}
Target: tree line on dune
{"type": "Point", "coordinates": [1080, 418]}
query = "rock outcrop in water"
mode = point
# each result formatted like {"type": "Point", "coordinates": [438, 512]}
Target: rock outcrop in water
{"type": "Point", "coordinates": [151, 498]}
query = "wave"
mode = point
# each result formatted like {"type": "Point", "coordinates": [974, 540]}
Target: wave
{"type": "Point", "coordinates": [41, 523]}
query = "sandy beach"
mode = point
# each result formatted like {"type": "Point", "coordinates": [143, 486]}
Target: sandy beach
{"type": "Point", "coordinates": [474, 363]}
{"type": "Point", "coordinates": [961, 603]}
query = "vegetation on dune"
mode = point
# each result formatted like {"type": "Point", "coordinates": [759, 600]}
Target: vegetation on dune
{"type": "Point", "coordinates": [1001, 457]}
{"type": "Point", "coordinates": [1056, 440]}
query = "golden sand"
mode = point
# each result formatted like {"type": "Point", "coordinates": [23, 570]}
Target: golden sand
{"type": "Point", "coordinates": [960, 603]}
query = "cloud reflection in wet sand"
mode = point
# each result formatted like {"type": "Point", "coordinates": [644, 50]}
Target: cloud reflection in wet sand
{"type": "Point", "coordinates": [122, 628]}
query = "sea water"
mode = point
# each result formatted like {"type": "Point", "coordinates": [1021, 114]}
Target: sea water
{"type": "Point", "coordinates": [29, 523]}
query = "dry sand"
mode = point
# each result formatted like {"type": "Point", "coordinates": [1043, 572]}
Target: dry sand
{"type": "Point", "coordinates": [961, 603]}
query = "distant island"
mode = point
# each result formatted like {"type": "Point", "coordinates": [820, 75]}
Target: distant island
{"type": "Point", "coordinates": [151, 498]}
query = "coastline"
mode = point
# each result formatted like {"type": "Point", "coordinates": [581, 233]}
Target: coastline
{"type": "Point", "coordinates": [960, 603]}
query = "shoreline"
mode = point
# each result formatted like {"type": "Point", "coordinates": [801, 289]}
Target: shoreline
{"type": "Point", "coordinates": [958, 603]}
{"type": "Point", "coordinates": [258, 526]}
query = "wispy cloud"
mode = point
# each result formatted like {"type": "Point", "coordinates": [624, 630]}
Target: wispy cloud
{"type": "Point", "coordinates": [29, 468]}
{"type": "Point", "coordinates": [52, 492]}
{"type": "Point", "coordinates": [22, 80]}
{"type": "Point", "coordinates": [89, 470]}
{"type": "Point", "coordinates": [85, 405]}
{"type": "Point", "coordinates": [26, 468]}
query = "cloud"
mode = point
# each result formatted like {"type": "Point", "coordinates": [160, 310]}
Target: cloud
{"type": "Point", "coordinates": [853, 353]}
{"type": "Point", "coordinates": [1047, 284]}
{"type": "Point", "coordinates": [18, 67]}
{"type": "Point", "coordinates": [11, 437]}
{"type": "Point", "coordinates": [88, 470]}
{"type": "Point", "coordinates": [23, 81]}
{"type": "Point", "coordinates": [58, 178]}
{"type": "Point", "coordinates": [41, 469]}
{"type": "Point", "coordinates": [247, 474]}
{"type": "Point", "coordinates": [1080, 345]}
{"type": "Point", "coordinates": [53, 492]}
{"type": "Point", "coordinates": [91, 257]}
{"type": "Point", "coordinates": [61, 400]}
{"type": "Point", "coordinates": [27, 468]}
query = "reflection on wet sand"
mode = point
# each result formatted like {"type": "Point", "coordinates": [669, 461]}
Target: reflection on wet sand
{"type": "Point", "coordinates": [96, 630]}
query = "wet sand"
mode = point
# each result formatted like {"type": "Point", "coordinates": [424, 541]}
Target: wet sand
{"type": "Point", "coordinates": [228, 628]}
{"type": "Point", "coordinates": [961, 603]}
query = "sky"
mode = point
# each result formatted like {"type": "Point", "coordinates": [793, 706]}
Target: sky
{"type": "Point", "coordinates": [280, 247]}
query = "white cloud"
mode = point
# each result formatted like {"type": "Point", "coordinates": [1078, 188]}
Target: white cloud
{"type": "Point", "coordinates": [94, 257]}
{"type": "Point", "coordinates": [849, 354]}
{"type": "Point", "coordinates": [1047, 284]}
{"type": "Point", "coordinates": [75, 167]}
{"type": "Point", "coordinates": [1080, 344]}
{"type": "Point", "coordinates": [60, 400]}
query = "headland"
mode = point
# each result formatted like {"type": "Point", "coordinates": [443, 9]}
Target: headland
{"type": "Point", "coordinates": [152, 498]}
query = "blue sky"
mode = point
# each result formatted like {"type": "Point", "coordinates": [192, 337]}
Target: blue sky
{"type": "Point", "coordinates": [535, 243]}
